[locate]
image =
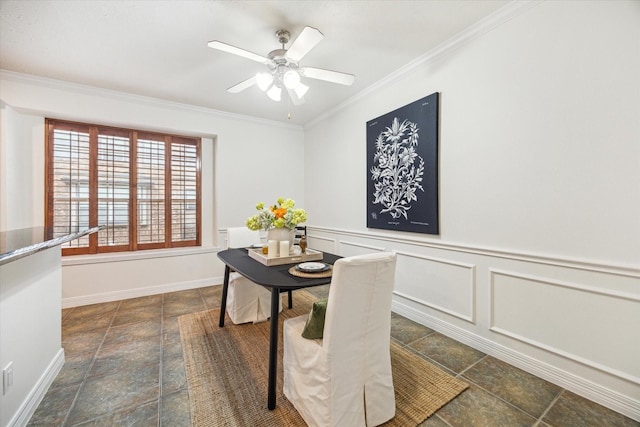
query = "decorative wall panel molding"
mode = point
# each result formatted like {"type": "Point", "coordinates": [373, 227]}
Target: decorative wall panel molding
{"type": "Point", "coordinates": [322, 243]}
{"type": "Point", "coordinates": [578, 322]}
{"type": "Point", "coordinates": [441, 284]}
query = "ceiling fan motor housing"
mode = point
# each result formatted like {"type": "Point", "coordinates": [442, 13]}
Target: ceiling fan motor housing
{"type": "Point", "coordinates": [280, 63]}
{"type": "Point", "coordinates": [283, 37]}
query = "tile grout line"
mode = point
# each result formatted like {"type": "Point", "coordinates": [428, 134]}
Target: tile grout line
{"type": "Point", "coordinates": [472, 365]}
{"type": "Point", "coordinates": [160, 376]}
{"type": "Point", "coordinates": [438, 365]}
{"type": "Point", "coordinates": [434, 362]}
{"type": "Point", "coordinates": [553, 402]}
{"type": "Point", "coordinates": [461, 376]}
{"type": "Point", "coordinates": [502, 400]}
{"type": "Point", "coordinates": [93, 361]}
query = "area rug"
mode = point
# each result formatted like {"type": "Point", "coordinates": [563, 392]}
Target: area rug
{"type": "Point", "coordinates": [227, 371]}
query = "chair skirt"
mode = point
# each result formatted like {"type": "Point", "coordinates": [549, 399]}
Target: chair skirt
{"type": "Point", "coordinates": [247, 301]}
{"type": "Point", "coordinates": [322, 394]}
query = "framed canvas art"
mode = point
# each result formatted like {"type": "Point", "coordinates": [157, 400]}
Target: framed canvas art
{"type": "Point", "coordinates": [402, 168]}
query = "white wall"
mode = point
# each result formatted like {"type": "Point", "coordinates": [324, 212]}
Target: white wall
{"type": "Point", "coordinates": [236, 152]}
{"type": "Point", "coordinates": [30, 332]}
{"type": "Point", "coordinates": [538, 257]}
{"type": "Point", "coordinates": [20, 158]}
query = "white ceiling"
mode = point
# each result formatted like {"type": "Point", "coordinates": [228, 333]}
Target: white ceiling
{"type": "Point", "coordinates": [159, 48]}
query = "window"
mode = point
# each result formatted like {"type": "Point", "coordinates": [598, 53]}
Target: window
{"type": "Point", "coordinates": [144, 188]}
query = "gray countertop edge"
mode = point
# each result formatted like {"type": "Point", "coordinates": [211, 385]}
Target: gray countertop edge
{"type": "Point", "coordinates": [32, 249]}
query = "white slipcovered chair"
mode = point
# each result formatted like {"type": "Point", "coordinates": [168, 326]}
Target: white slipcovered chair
{"type": "Point", "coordinates": [246, 300]}
{"type": "Point", "coordinates": [344, 378]}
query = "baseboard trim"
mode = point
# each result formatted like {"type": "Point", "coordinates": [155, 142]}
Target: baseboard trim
{"type": "Point", "coordinates": [138, 292]}
{"type": "Point", "coordinates": [30, 404]}
{"type": "Point", "coordinates": [606, 397]}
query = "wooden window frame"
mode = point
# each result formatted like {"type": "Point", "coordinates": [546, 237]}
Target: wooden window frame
{"type": "Point", "coordinates": [94, 130]}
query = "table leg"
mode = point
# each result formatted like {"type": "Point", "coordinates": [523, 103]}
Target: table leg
{"type": "Point", "coordinates": [273, 348]}
{"type": "Point", "coordinates": [223, 303]}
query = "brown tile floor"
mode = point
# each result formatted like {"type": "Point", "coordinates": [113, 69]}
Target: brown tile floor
{"type": "Point", "coordinates": [124, 367]}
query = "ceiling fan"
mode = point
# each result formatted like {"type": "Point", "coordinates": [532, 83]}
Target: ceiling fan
{"type": "Point", "coordinates": [283, 66]}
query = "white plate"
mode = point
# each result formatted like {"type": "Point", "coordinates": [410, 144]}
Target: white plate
{"type": "Point", "coordinates": [257, 245]}
{"type": "Point", "coordinates": [311, 266]}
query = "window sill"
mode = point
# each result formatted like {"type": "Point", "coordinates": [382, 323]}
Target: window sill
{"type": "Point", "coordinates": [136, 255]}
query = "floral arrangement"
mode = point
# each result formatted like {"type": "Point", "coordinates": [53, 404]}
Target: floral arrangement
{"type": "Point", "coordinates": [281, 215]}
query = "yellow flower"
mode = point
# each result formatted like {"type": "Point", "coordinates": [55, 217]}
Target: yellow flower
{"type": "Point", "coordinates": [280, 215]}
{"type": "Point", "coordinates": [287, 204]}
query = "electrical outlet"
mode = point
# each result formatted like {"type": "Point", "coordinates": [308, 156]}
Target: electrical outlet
{"type": "Point", "coordinates": [7, 378]}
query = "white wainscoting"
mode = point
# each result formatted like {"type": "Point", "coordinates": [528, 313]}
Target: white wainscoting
{"type": "Point", "coordinates": [535, 310]}
{"type": "Point", "coordinates": [442, 284]}
{"type": "Point", "coordinates": [323, 244]}
{"type": "Point", "coordinates": [569, 321]}
{"type": "Point", "coordinates": [353, 248]}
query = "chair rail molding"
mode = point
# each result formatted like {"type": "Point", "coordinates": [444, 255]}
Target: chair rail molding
{"type": "Point", "coordinates": [624, 270]}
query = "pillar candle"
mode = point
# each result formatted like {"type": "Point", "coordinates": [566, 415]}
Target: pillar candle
{"type": "Point", "coordinates": [273, 248]}
{"type": "Point", "coordinates": [284, 248]}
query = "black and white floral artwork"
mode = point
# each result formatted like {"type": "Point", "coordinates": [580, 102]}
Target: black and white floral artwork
{"type": "Point", "coordinates": [402, 168]}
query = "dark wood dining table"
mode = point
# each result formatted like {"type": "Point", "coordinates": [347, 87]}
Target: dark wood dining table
{"type": "Point", "coordinates": [278, 279]}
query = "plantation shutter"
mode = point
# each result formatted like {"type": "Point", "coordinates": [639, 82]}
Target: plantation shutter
{"type": "Point", "coordinates": [143, 189]}
{"type": "Point", "coordinates": [151, 188]}
{"type": "Point", "coordinates": [113, 170]}
{"type": "Point", "coordinates": [68, 189]}
{"type": "Point", "coordinates": [184, 191]}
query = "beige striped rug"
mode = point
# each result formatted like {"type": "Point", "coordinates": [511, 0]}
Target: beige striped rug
{"type": "Point", "coordinates": [227, 370]}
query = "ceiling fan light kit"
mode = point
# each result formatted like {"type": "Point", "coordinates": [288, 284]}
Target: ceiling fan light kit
{"type": "Point", "coordinates": [291, 79]}
{"type": "Point", "coordinates": [283, 66]}
{"type": "Point", "coordinates": [301, 90]}
{"type": "Point", "coordinates": [275, 93]}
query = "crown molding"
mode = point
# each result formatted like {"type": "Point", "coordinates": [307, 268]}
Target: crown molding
{"type": "Point", "coordinates": [492, 21]}
{"type": "Point", "coordinates": [132, 98]}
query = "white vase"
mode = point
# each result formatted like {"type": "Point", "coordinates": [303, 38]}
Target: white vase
{"type": "Point", "coordinates": [281, 234]}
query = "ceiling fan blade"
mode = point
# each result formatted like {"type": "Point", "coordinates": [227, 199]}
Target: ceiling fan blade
{"type": "Point", "coordinates": [328, 75]}
{"type": "Point", "coordinates": [237, 51]}
{"type": "Point", "coordinates": [307, 40]}
{"type": "Point", "coordinates": [295, 98]}
{"type": "Point", "coordinates": [242, 85]}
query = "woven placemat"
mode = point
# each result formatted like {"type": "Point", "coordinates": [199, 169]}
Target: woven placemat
{"type": "Point", "coordinates": [322, 274]}
{"type": "Point", "coordinates": [227, 377]}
